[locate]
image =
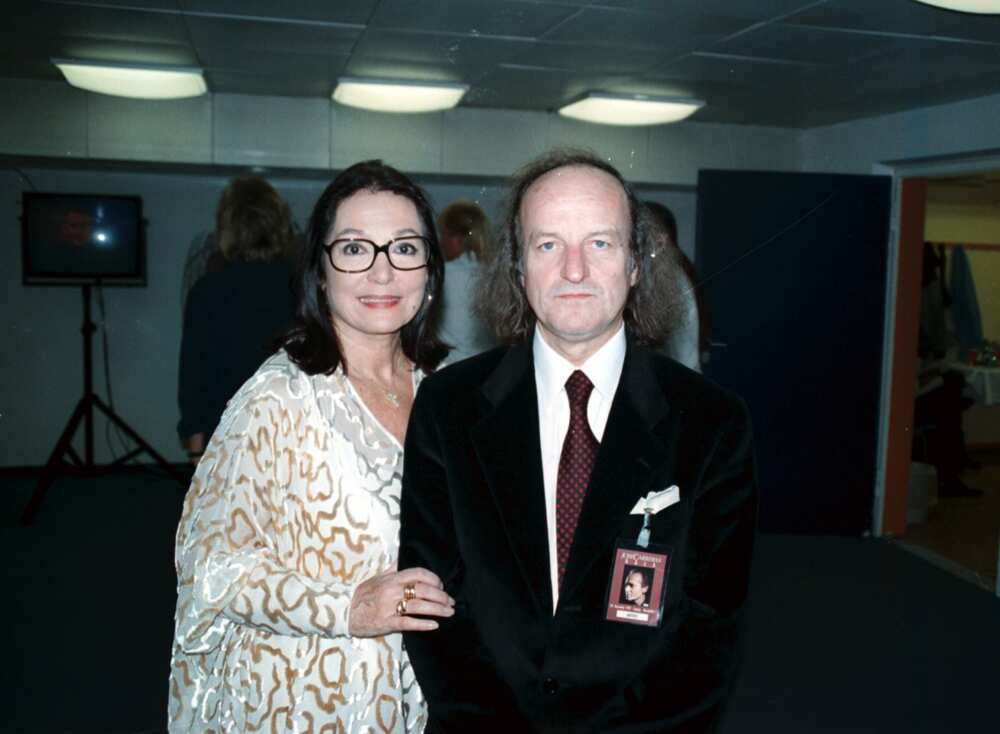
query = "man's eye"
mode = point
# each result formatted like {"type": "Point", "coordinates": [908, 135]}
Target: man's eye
{"type": "Point", "coordinates": [601, 245]}
{"type": "Point", "coordinates": [547, 246]}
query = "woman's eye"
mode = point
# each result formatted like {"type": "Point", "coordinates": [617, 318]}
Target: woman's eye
{"type": "Point", "coordinates": [404, 248]}
{"type": "Point", "coordinates": [354, 248]}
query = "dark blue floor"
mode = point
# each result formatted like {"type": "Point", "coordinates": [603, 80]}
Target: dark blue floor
{"type": "Point", "coordinates": [846, 635]}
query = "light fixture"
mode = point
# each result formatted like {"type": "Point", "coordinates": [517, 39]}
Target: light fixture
{"type": "Point", "coordinates": [966, 6]}
{"type": "Point", "coordinates": [383, 95]}
{"type": "Point", "coordinates": [630, 109]}
{"type": "Point", "coordinates": [132, 80]}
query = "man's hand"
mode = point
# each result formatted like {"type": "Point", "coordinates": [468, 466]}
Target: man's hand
{"type": "Point", "coordinates": [382, 604]}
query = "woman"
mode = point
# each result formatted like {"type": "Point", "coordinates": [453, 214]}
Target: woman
{"type": "Point", "coordinates": [289, 605]}
{"type": "Point", "coordinates": [233, 314]}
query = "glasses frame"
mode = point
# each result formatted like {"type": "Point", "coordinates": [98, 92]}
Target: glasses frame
{"type": "Point", "coordinates": [378, 249]}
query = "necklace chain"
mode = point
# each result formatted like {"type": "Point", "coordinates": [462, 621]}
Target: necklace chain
{"type": "Point", "coordinates": [391, 396]}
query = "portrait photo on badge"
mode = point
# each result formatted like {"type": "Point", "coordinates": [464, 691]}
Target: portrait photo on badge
{"type": "Point", "coordinates": [637, 585]}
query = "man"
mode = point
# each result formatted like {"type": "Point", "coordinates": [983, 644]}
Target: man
{"type": "Point", "coordinates": [636, 588]}
{"type": "Point", "coordinates": [464, 233]}
{"type": "Point", "coordinates": [531, 472]}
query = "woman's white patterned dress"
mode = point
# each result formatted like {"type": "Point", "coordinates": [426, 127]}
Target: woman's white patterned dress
{"type": "Point", "coordinates": [295, 502]}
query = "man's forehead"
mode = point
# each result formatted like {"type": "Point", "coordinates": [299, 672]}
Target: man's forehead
{"type": "Point", "coordinates": [573, 177]}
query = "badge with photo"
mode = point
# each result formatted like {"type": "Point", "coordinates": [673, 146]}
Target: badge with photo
{"type": "Point", "coordinates": [638, 584]}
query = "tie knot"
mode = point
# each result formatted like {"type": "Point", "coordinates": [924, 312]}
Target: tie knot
{"type": "Point", "coordinates": [578, 388]}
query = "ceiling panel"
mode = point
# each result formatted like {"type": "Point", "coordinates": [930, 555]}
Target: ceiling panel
{"type": "Point", "coordinates": [104, 22]}
{"type": "Point", "coordinates": [356, 12]}
{"type": "Point", "coordinates": [803, 43]}
{"type": "Point", "coordinates": [738, 70]}
{"type": "Point", "coordinates": [900, 17]}
{"type": "Point", "coordinates": [275, 63]}
{"type": "Point", "coordinates": [451, 53]}
{"type": "Point", "coordinates": [581, 57]}
{"type": "Point", "coordinates": [756, 10]}
{"type": "Point", "coordinates": [501, 18]}
{"type": "Point", "coordinates": [529, 88]}
{"type": "Point", "coordinates": [208, 32]}
{"type": "Point", "coordinates": [611, 27]}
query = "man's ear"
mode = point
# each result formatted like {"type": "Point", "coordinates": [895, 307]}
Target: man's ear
{"type": "Point", "coordinates": [633, 277]}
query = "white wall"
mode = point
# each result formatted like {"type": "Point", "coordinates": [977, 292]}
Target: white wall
{"type": "Point", "coordinates": [951, 130]}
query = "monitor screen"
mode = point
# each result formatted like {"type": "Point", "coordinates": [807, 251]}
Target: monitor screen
{"type": "Point", "coordinates": [81, 239]}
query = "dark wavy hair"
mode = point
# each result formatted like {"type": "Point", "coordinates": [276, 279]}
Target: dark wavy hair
{"type": "Point", "coordinates": [312, 342]}
{"type": "Point", "coordinates": [501, 301]}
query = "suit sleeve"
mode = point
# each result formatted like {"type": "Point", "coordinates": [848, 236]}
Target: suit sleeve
{"type": "Point", "coordinates": [463, 690]}
{"type": "Point", "coordinates": [716, 580]}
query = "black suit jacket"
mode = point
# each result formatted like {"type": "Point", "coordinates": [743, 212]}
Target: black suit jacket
{"type": "Point", "coordinates": [473, 512]}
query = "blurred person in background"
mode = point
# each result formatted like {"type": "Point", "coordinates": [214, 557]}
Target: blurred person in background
{"type": "Point", "coordinates": [688, 340]}
{"type": "Point", "coordinates": [465, 241]}
{"type": "Point", "coordinates": [236, 310]}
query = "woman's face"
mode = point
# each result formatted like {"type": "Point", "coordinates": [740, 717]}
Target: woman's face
{"type": "Point", "coordinates": [381, 300]}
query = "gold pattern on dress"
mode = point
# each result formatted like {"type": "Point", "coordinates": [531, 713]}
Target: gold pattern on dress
{"type": "Point", "coordinates": [295, 502]}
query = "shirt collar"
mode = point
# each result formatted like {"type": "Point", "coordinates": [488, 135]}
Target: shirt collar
{"type": "Point", "coordinates": [603, 368]}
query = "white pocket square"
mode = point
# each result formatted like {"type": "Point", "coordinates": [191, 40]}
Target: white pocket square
{"type": "Point", "coordinates": [656, 501]}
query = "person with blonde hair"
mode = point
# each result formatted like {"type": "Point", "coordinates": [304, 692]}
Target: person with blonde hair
{"type": "Point", "coordinates": [466, 242]}
{"type": "Point", "coordinates": [232, 314]}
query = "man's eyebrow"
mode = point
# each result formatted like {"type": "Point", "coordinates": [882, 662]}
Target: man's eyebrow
{"type": "Point", "coordinates": [556, 236]}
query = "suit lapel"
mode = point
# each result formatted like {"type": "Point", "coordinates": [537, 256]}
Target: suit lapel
{"type": "Point", "coordinates": [507, 445]}
{"type": "Point", "coordinates": [631, 451]}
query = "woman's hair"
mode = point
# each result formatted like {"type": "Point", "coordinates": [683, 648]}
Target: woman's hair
{"type": "Point", "coordinates": [650, 310]}
{"type": "Point", "coordinates": [312, 342]}
{"type": "Point", "coordinates": [252, 222]}
{"type": "Point", "coordinates": [468, 220]}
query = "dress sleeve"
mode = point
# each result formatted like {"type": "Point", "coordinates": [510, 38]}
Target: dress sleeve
{"type": "Point", "coordinates": [230, 567]}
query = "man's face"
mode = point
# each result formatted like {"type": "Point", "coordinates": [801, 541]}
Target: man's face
{"type": "Point", "coordinates": [635, 591]}
{"type": "Point", "coordinates": [575, 230]}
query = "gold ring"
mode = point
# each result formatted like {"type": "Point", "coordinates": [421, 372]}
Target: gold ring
{"type": "Point", "coordinates": [401, 607]}
{"type": "Point", "coordinates": [409, 592]}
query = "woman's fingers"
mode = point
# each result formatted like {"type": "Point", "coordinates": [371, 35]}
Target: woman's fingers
{"type": "Point", "coordinates": [422, 608]}
{"type": "Point", "coordinates": [432, 593]}
{"type": "Point", "coordinates": [419, 575]}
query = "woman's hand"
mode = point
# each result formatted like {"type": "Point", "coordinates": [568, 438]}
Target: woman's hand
{"type": "Point", "coordinates": [378, 602]}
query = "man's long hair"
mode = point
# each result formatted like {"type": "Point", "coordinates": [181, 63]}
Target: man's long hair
{"type": "Point", "coordinates": [651, 307]}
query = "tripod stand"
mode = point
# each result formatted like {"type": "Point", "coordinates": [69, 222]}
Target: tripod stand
{"type": "Point", "coordinates": [57, 465]}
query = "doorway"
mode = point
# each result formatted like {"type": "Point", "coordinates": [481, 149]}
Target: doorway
{"type": "Point", "coordinates": [951, 510]}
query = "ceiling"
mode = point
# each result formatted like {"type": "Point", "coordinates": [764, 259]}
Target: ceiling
{"type": "Point", "coordinates": [765, 62]}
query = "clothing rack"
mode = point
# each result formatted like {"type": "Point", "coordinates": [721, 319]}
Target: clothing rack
{"type": "Point", "coordinates": [968, 245]}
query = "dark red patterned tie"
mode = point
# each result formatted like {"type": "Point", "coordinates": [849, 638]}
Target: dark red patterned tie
{"type": "Point", "coordinates": [575, 465]}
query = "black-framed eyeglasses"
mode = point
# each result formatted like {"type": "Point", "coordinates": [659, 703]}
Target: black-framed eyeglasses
{"type": "Point", "coordinates": [354, 255]}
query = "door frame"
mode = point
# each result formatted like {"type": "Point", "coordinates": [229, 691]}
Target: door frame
{"type": "Point", "coordinates": [909, 193]}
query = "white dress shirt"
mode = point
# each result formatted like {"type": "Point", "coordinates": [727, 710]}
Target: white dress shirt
{"type": "Point", "coordinates": [603, 368]}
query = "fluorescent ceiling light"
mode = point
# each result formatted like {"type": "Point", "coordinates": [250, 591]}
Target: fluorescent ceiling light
{"type": "Point", "coordinates": [128, 80]}
{"type": "Point", "coordinates": [630, 109]}
{"type": "Point", "coordinates": [966, 6]}
{"type": "Point", "coordinates": [397, 96]}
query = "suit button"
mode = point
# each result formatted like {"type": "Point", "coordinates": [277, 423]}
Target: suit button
{"type": "Point", "coordinates": [550, 686]}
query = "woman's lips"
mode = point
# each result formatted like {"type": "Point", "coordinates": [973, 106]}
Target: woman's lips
{"type": "Point", "coordinates": [379, 301]}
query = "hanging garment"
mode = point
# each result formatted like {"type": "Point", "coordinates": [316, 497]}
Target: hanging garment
{"type": "Point", "coordinates": [965, 305]}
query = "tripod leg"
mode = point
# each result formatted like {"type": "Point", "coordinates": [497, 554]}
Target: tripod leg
{"type": "Point", "coordinates": [52, 466]}
{"type": "Point", "coordinates": [137, 439]}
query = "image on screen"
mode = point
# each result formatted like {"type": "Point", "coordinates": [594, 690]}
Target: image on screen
{"type": "Point", "coordinates": [82, 238]}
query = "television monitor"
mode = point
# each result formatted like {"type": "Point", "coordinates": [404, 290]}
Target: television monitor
{"type": "Point", "coordinates": [82, 239]}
